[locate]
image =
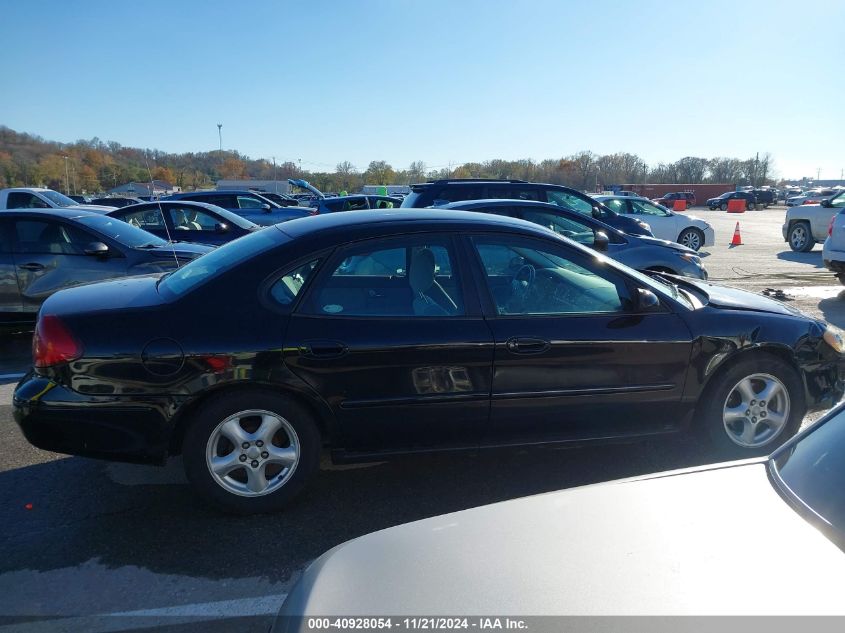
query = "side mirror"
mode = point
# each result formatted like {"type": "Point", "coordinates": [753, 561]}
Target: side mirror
{"type": "Point", "coordinates": [825, 203]}
{"type": "Point", "coordinates": [596, 213]}
{"type": "Point", "coordinates": [221, 228]}
{"type": "Point", "coordinates": [266, 208]}
{"type": "Point", "coordinates": [647, 301]}
{"type": "Point", "coordinates": [97, 249]}
{"type": "Point", "coordinates": [600, 241]}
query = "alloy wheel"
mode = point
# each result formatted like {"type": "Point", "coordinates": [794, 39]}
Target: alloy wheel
{"type": "Point", "coordinates": [691, 239]}
{"type": "Point", "coordinates": [756, 410]}
{"type": "Point", "coordinates": [252, 453]}
{"type": "Point", "coordinates": [798, 237]}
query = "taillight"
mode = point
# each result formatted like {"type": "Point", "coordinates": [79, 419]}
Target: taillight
{"type": "Point", "coordinates": [53, 344]}
{"type": "Point", "coordinates": [830, 227]}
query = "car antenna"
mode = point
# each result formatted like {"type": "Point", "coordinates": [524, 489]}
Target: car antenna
{"type": "Point", "coordinates": [161, 211]}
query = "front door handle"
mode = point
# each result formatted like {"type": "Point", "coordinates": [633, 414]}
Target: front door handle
{"type": "Point", "coordinates": [524, 345]}
{"type": "Point", "coordinates": [32, 266]}
{"type": "Point", "coordinates": [323, 349]}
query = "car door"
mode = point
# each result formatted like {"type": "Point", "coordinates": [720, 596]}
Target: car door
{"type": "Point", "coordinates": [574, 358]}
{"type": "Point", "coordinates": [50, 255]}
{"type": "Point", "coordinates": [11, 306]}
{"type": "Point", "coordinates": [391, 335]}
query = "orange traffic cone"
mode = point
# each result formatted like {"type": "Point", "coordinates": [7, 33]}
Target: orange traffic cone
{"type": "Point", "coordinates": [737, 239]}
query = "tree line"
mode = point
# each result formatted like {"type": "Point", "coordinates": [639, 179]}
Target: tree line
{"type": "Point", "coordinates": [94, 166]}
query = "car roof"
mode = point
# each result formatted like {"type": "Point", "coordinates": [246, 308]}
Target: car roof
{"type": "Point", "coordinates": [602, 198]}
{"type": "Point", "coordinates": [66, 213]}
{"type": "Point", "coordinates": [417, 219]}
{"type": "Point", "coordinates": [181, 203]}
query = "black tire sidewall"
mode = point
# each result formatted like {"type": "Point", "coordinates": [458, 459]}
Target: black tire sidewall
{"type": "Point", "coordinates": [808, 244]}
{"type": "Point", "coordinates": [710, 416]}
{"type": "Point", "coordinates": [218, 408]}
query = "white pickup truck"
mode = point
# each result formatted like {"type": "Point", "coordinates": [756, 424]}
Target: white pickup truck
{"type": "Point", "coordinates": [39, 198]}
{"type": "Point", "coordinates": [806, 224]}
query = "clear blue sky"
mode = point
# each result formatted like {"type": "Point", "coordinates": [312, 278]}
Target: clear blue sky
{"type": "Point", "coordinates": [443, 81]}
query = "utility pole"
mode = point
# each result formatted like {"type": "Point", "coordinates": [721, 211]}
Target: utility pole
{"type": "Point", "coordinates": [300, 166]}
{"type": "Point", "coordinates": [220, 136]}
{"type": "Point", "coordinates": [275, 180]}
{"type": "Point", "coordinates": [67, 178]}
{"type": "Point", "coordinates": [818, 173]}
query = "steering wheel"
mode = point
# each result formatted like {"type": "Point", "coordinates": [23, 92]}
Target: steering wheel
{"type": "Point", "coordinates": [522, 282]}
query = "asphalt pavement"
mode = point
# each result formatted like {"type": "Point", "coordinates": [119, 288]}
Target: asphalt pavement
{"type": "Point", "coordinates": [95, 546]}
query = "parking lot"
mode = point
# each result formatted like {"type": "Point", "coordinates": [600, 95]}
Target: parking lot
{"type": "Point", "coordinates": [72, 524]}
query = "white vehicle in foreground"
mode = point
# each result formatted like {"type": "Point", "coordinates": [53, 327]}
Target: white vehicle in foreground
{"type": "Point", "coordinates": [685, 229]}
{"type": "Point", "coordinates": [833, 253]}
{"type": "Point", "coordinates": [40, 198]}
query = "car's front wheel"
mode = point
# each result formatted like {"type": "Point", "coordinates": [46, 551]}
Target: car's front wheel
{"type": "Point", "coordinates": [724, 206]}
{"type": "Point", "coordinates": [801, 238]}
{"type": "Point", "coordinates": [753, 406]}
{"type": "Point", "coordinates": [691, 238]}
{"type": "Point", "coordinates": [250, 452]}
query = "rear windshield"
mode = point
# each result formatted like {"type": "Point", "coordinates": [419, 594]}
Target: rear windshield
{"type": "Point", "coordinates": [204, 268]}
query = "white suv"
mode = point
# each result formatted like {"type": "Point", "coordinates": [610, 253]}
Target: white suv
{"type": "Point", "coordinates": [807, 224]}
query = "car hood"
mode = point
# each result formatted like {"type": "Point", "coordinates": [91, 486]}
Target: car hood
{"type": "Point", "coordinates": [736, 299]}
{"type": "Point", "coordinates": [655, 241]}
{"type": "Point", "coordinates": [182, 249]}
{"type": "Point", "coordinates": [718, 540]}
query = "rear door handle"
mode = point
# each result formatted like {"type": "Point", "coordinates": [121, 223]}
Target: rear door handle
{"type": "Point", "coordinates": [32, 266]}
{"type": "Point", "coordinates": [323, 349]}
{"type": "Point", "coordinates": [524, 345]}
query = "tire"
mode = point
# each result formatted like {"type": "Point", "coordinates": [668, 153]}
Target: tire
{"type": "Point", "coordinates": [691, 238]}
{"type": "Point", "coordinates": [800, 237]}
{"type": "Point", "coordinates": [725, 431]}
{"type": "Point", "coordinates": [841, 278]}
{"type": "Point", "coordinates": [285, 471]}
{"type": "Point", "coordinates": [724, 206]}
{"type": "Point", "coordinates": [751, 206]}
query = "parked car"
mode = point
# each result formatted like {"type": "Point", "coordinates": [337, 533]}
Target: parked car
{"type": "Point", "coordinates": [721, 202]}
{"type": "Point", "coordinates": [765, 197]}
{"type": "Point", "coordinates": [116, 201]}
{"type": "Point", "coordinates": [814, 196]}
{"type": "Point", "coordinates": [246, 204]}
{"type": "Point", "coordinates": [637, 251]}
{"type": "Point", "coordinates": [833, 252]}
{"type": "Point", "coordinates": [436, 193]}
{"type": "Point", "coordinates": [318, 338]}
{"type": "Point", "coordinates": [80, 199]}
{"type": "Point", "coordinates": [668, 199]}
{"type": "Point", "coordinates": [43, 251]}
{"type": "Point", "coordinates": [685, 229]}
{"type": "Point", "coordinates": [40, 198]}
{"type": "Point", "coordinates": [806, 224]}
{"type": "Point", "coordinates": [692, 542]}
{"type": "Point", "coordinates": [186, 221]}
{"type": "Point", "coordinates": [357, 203]}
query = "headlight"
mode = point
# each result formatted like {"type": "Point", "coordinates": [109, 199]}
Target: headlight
{"type": "Point", "coordinates": [645, 225]}
{"type": "Point", "coordinates": [835, 337]}
{"type": "Point", "coordinates": [693, 259]}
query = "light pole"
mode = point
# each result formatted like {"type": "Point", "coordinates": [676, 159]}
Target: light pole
{"type": "Point", "coordinates": [818, 173]}
{"type": "Point", "coordinates": [300, 166]}
{"type": "Point", "coordinates": [598, 169]}
{"type": "Point", "coordinates": [275, 180]}
{"type": "Point", "coordinates": [220, 135]}
{"type": "Point", "coordinates": [67, 178]}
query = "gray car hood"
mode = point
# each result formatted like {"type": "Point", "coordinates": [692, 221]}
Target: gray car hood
{"type": "Point", "coordinates": [718, 540]}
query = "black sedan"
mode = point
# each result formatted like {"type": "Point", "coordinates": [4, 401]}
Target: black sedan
{"type": "Point", "coordinates": [757, 537]}
{"type": "Point", "coordinates": [490, 331]}
{"type": "Point", "coordinates": [721, 202]}
{"type": "Point", "coordinates": [42, 251]}
{"type": "Point", "coordinates": [186, 221]}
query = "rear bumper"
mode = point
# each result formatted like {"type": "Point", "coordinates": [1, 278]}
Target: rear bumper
{"type": "Point", "coordinates": [834, 260]}
{"type": "Point", "coordinates": [57, 419]}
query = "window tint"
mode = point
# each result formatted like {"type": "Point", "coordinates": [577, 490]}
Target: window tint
{"type": "Point", "coordinates": [37, 236]}
{"type": "Point", "coordinates": [513, 192]}
{"type": "Point", "coordinates": [456, 193]}
{"type": "Point", "coordinates": [24, 200]}
{"type": "Point", "coordinates": [620, 206]}
{"type": "Point", "coordinates": [568, 200]}
{"type": "Point", "coordinates": [410, 277]}
{"type": "Point", "coordinates": [248, 202]}
{"type": "Point", "coordinates": [192, 219]}
{"type": "Point", "coordinates": [641, 207]}
{"type": "Point", "coordinates": [528, 280]}
{"type": "Point", "coordinates": [221, 200]}
{"type": "Point", "coordinates": [144, 218]}
{"type": "Point", "coordinates": [287, 287]}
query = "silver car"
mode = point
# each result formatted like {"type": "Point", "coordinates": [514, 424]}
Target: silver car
{"type": "Point", "coordinates": [753, 537]}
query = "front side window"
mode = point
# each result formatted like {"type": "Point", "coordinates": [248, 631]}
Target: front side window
{"type": "Point", "coordinates": [25, 200]}
{"type": "Point", "coordinates": [524, 279]}
{"type": "Point", "coordinates": [248, 202]}
{"type": "Point", "coordinates": [408, 277]}
{"type": "Point", "coordinates": [37, 236]}
{"type": "Point", "coordinates": [838, 201]}
{"type": "Point", "coordinates": [561, 225]}
{"type": "Point", "coordinates": [144, 219]}
{"type": "Point", "coordinates": [642, 207]}
{"type": "Point", "coordinates": [620, 206]}
{"type": "Point", "coordinates": [192, 219]}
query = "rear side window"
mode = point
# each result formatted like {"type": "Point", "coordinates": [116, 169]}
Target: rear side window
{"type": "Point", "coordinates": [569, 201]}
{"type": "Point", "coordinates": [456, 194]}
{"type": "Point", "coordinates": [36, 236]}
{"type": "Point", "coordinates": [288, 286]}
{"type": "Point", "coordinates": [513, 192]}
{"type": "Point", "coordinates": [24, 200]}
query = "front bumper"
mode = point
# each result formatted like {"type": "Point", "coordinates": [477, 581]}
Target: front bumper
{"type": "Point", "coordinates": [709, 236]}
{"type": "Point", "coordinates": [58, 419]}
{"type": "Point", "coordinates": [825, 384]}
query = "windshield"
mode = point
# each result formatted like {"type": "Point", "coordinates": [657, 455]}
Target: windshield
{"type": "Point", "coordinates": [121, 231]}
{"type": "Point", "coordinates": [58, 199]}
{"type": "Point", "coordinates": [814, 469]}
{"type": "Point", "coordinates": [200, 270]}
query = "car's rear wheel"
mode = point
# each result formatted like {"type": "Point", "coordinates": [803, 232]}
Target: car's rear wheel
{"type": "Point", "coordinates": [250, 452]}
{"type": "Point", "coordinates": [753, 406]}
{"type": "Point", "coordinates": [691, 238]}
{"type": "Point", "coordinates": [841, 278]}
{"type": "Point", "coordinates": [801, 238]}
{"type": "Point", "coordinates": [751, 206]}
{"type": "Point", "coordinates": [724, 206]}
